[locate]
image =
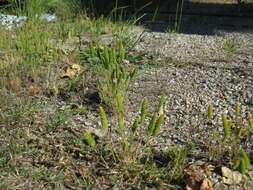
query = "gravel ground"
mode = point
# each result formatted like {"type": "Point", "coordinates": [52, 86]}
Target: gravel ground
{"type": "Point", "coordinates": [195, 71]}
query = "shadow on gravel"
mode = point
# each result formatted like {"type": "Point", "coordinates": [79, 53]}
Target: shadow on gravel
{"type": "Point", "coordinates": [205, 25]}
{"type": "Point", "coordinates": [199, 16]}
{"type": "Point", "coordinates": [203, 18]}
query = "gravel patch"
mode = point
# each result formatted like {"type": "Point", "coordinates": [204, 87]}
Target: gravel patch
{"type": "Point", "coordinates": [199, 48]}
{"type": "Point", "coordinates": [196, 71]}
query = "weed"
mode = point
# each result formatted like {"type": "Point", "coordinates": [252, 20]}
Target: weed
{"type": "Point", "coordinates": [131, 149]}
{"type": "Point", "coordinates": [106, 56]}
{"type": "Point", "coordinates": [250, 121]}
{"type": "Point", "coordinates": [115, 81]}
{"type": "Point", "coordinates": [230, 46]}
{"type": "Point", "coordinates": [128, 137]}
{"type": "Point", "coordinates": [66, 9]}
{"type": "Point", "coordinates": [235, 132]}
{"type": "Point", "coordinates": [251, 101]}
{"type": "Point", "coordinates": [112, 89]}
{"type": "Point", "coordinates": [178, 18]}
{"type": "Point", "coordinates": [177, 161]}
{"type": "Point", "coordinates": [89, 139]}
{"type": "Point", "coordinates": [42, 150]}
{"type": "Point", "coordinates": [226, 128]}
{"type": "Point", "coordinates": [104, 121]}
{"type": "Point", "coordinates": [17, 111]}
{"type": "Point", "coordinates": [59, 118]}
{"type": "Point", "coordinates": [242, 162]}
{"type": "Point", "coordinates": [210, 112]}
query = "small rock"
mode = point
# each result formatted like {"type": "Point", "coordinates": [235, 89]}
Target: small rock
{"type": "Point", "coordinates": [215, 180]}
{"type": "Point", "coordinates": [48, 17]}
{"type": "Point", "coordinates": [87, 123]}
{"type": "Point", "coordinates": [199, 163]}
{"type": "Point", "coordinates": [206, 185]}
{"type": "Point", "coordinates": [231, 177]}
{"type": "Point", "coordinates": [220, 186]}
{"type": "Point", "coordinates": [97, 133]}
{"type": "Point", "coordinates": [250, 173]}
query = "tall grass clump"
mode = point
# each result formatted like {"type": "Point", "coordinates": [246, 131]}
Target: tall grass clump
{"type": "Point", "coordinates": [178, 18]}
{"type": "Point", "coordinates": [34, 9]}
{"type": "Point", "coordinates": [67, 9]}
{"type": "Point", "coordinates": [29, 8]}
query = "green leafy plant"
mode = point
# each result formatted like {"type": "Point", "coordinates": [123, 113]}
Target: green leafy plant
{"type": "Point", "coordinates": [158, 124]}
{"type": "Point", "coordinates": [114, 78]}
{"type": "Point", "coordinates": [135, 124]}
{"type": "Point", "coordinates": [157, 118]}
{"type": "Point", "coordinates": [127, 144]}
{"type": "Point", "coordinates": [114, 84]}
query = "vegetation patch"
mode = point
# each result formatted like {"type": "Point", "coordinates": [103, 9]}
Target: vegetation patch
{"type": "Point", "coordinates": [67, 119]}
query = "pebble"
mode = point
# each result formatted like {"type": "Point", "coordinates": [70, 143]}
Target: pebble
{"type": "Point", "coordinates": [249, 185]}
{"type": "Point", "coordinates": [231, 177]}
{"type": "Point", "coordinates": [220, 186]}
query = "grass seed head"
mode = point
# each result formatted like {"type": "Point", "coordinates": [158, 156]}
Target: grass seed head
{"type": "Point", "coordinates": [103, 117]}
{"type": "Point", "coordinates": [88, 138]}
{"type": "Point", "coordinates": [158, 124]}
{"type": "Point", "coordinates": [152, 123]}
{"type": "Point", "coordinates": [226, 127]}
{"type": "Point", "coordinates": [210, 112]}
